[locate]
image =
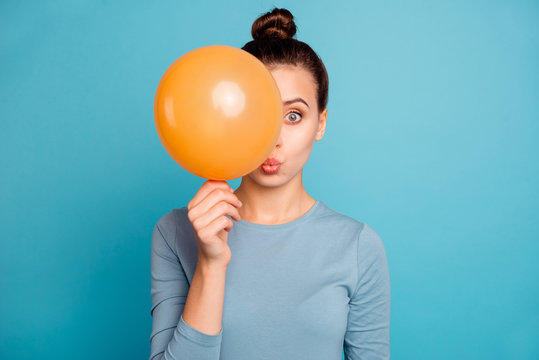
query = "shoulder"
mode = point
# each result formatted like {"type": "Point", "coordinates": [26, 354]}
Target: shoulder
{"type": "Point", "coordinates": [173, 222]}
{"type": "Point", "coordinates": [337, 220]}
{"type": "Point", "coordinates": [368, 240]}
{"type": "Point", "coordinates": [172, 218]}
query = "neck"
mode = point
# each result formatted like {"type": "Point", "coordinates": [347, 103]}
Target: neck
{"type": "Point", "coordinates": [272, 205]}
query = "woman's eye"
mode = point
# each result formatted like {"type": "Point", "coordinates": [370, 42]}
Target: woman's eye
{"type": "Point", "coordinates": [294, 117]}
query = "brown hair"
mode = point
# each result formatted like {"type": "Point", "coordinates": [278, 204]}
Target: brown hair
{"type": "Point", "coordinates": [273, 44]}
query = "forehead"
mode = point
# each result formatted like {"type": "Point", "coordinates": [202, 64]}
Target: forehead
{"type": "Point", "coordinates": [294, 81]}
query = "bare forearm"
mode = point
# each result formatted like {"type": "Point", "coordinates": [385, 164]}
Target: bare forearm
{"type": "Point", "coordinates": [203, 308]}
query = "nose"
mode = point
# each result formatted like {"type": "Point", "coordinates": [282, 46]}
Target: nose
{"type": "Point", "coordinates": [279, 140]}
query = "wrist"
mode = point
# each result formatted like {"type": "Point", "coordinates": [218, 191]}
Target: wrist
{"type": "Point", "coordinates": [211, 268]}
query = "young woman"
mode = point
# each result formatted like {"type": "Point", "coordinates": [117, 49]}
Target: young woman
{"type": "Point", "coordinates": [266, 271]}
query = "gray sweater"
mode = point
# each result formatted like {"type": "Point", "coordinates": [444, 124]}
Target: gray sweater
{"type": "Point", "coordinates": [307, 289]}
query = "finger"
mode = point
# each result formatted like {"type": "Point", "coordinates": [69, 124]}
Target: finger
{"type": "Point", "coordinates": [221, 223]}
{"type": "Point", "coordinates": [205, 189]}
{"type": "Point", "coordinates": [221, 208]}
{"type": "Point", "coordinates": [214, 197]}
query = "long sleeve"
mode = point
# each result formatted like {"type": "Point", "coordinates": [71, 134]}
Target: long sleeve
{"type": "Point", "coordinates": [171, 337]}
{"type": "Point", "coordinates": [367, 333]}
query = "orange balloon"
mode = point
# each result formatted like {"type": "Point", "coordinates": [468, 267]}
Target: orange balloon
{"type": "Point", "coordinates": [218, 112]}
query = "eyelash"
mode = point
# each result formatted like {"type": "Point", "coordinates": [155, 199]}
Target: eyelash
{"type": "Point", "coordinates": [297, 121]}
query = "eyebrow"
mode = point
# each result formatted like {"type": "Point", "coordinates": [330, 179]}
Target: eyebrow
{"type": "Point", "coordinates": [288, 102]}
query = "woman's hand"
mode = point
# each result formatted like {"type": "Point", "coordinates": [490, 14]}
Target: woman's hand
{"type": "Point", "coordinates": [206, 212]}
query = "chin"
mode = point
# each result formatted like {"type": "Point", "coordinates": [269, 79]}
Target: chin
{"type": "Point", "coordinates": [263, 179]}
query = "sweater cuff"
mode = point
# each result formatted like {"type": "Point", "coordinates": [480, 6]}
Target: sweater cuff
{"type": "Point", "coordinates": [199, 337]}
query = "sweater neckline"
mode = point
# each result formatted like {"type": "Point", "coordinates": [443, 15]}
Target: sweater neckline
{"type": "Point", "coordinates": [285, 225]}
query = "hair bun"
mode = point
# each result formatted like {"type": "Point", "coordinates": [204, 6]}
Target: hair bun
{"type": "Point", "coordinates": [278, 23]}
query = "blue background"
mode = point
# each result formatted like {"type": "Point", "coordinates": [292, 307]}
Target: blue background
{"type": "Point", "coordinates": [431, 139]}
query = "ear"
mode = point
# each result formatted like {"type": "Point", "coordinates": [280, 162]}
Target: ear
{"type": "Point", "coordinates": [321, 124]}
